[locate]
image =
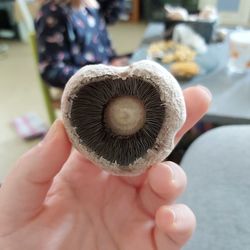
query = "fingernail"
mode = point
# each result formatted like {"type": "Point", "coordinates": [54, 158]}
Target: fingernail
{"type": "Point", "coordinates": [173, 215]}
{"type": "Point", "coordinates": [206, 90]}
{"type": "Point", "coordinates": [51, 133]}
{"type": "Point", "coordinates": [172, 169]}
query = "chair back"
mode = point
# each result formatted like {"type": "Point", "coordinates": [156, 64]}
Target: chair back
{"type": "Point", "coordinates": [26, 15]}
{"type": "Point", "coordinates": [29, 23]}
{"type": "Point", "coordinates": [45, 89]}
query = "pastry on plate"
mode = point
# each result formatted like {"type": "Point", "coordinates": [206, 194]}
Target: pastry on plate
{"type": "Point", "coordinates": [170, 51]}
{"type": "Point", "coordinates": [185, 70]}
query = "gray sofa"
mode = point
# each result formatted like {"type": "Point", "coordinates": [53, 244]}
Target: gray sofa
{"type": "Point", "coordinates": [218, 169]}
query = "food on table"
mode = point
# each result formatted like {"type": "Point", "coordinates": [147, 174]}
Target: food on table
{"type": "Point", "coordinates": [170, 51]}
{"type": "Point", "coordinates": [184, 70]}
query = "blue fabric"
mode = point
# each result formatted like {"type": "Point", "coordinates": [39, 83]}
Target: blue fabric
{"type": "Point", "coordinates": [217, 166]}
{"type": "Point", "coordinates": [69, 39]}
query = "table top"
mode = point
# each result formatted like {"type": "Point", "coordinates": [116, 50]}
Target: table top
{"type": "Point", "coordinates": [231, 92]}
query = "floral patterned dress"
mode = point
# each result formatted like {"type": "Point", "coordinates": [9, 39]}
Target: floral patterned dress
{"type": "Point", "coordinates": [69, 39]}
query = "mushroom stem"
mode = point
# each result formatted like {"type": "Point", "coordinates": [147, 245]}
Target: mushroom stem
{"type": "Point", "coordinates": [125, 115]}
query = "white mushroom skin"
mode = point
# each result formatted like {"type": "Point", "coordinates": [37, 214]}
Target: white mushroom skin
{"type": "Point", "coordinates": [170, 94]}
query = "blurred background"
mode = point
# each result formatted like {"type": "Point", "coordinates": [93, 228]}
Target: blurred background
{"type": "Point", "coordinates": [140, 30]}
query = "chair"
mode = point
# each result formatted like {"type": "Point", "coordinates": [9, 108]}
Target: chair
{"type": "Point", "coordinates": [218, 169]}
{"type": "Point", "coordinates": [50, 106]}
{"type": "Point", "coordinates": [29, 23]}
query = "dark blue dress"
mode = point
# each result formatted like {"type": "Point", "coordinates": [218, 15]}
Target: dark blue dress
{"type": "Point", "coordinates": [70, 38]}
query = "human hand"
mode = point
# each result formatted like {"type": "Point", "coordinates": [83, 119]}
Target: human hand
{"type": "Point", "coordinates": [55, 199]}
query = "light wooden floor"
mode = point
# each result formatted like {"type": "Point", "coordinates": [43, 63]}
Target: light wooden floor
{"type": "Point", "coordinates": [20, 93]}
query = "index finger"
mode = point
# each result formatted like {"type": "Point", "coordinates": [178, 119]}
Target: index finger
{"type": "Point", "coordinates": [197, 100]}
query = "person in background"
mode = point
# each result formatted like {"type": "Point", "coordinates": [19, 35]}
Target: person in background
{"type": "Point", "coordinates": [72, 34]}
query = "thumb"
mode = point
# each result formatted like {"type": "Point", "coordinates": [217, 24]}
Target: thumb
{"type": "Point", "coordinates": [24, 190]}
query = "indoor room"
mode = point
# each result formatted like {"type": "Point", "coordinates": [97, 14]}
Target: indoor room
{"type": "Point", "coordinates": [108, 108]}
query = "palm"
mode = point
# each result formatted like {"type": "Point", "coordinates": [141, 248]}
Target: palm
{"type": "Point", "coordinates": [86, 208]}
{"type": "Point", "coordinates": [95, 209]}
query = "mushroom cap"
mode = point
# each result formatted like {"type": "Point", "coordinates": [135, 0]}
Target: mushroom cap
{"type": "Point", "coordinates": [170, 94]}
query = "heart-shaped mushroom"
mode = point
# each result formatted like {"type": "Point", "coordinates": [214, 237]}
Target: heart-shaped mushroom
{"type": "Point", "coordinates": [124, 119]}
